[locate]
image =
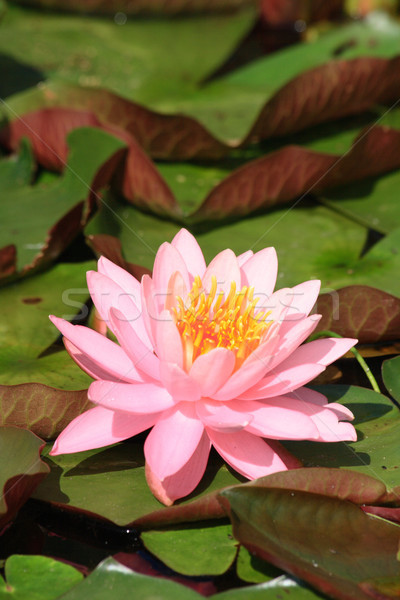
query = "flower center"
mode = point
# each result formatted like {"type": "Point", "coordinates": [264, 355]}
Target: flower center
{"type": "Point", "coordinates": [207, 321]}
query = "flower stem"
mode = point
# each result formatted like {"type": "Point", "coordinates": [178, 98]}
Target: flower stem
{"type": "Point", "coordinates": [361, 361]}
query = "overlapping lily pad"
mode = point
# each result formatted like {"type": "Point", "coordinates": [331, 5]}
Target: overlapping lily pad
{"type": "Point", "coordinates": [57, 210]}
{"type": "Point", "coordinates": [317, 547]}
{"type": "Point", "coordinates": [37, 578]}
{"type": "Point", "coordinates": [21, 469]}
{"type": "Point", "coordinates": [29, 375]}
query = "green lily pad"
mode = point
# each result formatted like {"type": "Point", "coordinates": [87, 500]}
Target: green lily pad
{"type": "Point", "coordinates": [110, 483]}
{"type": "Point", "coordinates": [192, 550]}
{"type": "Point", "coordinates": [376, 452]}
{"type": "Point", "coordinates": [36, 578]}
{"type": "Point", "coordinates": [372, 202]}
{"type": "Point", "coordinates": [252, 569]}
{"type": "Point", "coordinates": [20, 469]}
{"type": "Point", "coordinates": [311, 242]}
{"type": "Point", "coordinates": [391, 376]}
{"type": "Point", "coordinates": [138, 58]}
{"type": "Point", "coordinates": [111, 579]}
{"type": "Point", "coordinates": [38, 239]}
{"type": "Point", "coordinates": [17, 170]}
{"type": "Point", "coordinates": [277, 589]}
{"type": "Point", "coordinates": [25, 330]}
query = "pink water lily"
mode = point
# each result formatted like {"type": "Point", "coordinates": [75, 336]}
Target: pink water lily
{"type": "Point", "coordinates": [207, 356]}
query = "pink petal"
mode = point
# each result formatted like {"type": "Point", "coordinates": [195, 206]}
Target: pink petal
{"type": "Point", "coordinates": [307, 395]}
{"type": "Point", "coordinates": [143, 357]}
{"type": "Point", "coordinates": [283, 381]}
{"type": "Point", "coordinates": [304, 297]}
{"type": "Point", "coordinates": [106, 294]}
{"type": "Point", "coordinates": [179, 384]}
{"type": "Point", "coordinates": [281, 419]}
{"type": "Point", "coordinates": [87, 364]}
{"type": "Point", "coordinates": [99, 427]}
{"type": "Point", "coordinates": [292, 334]}
{"type": "Point", "coordinates": [326, 420]}
{"type": "Point", "coordinates": [173, 440]}
{"type": "Point", "coordinates": [342, 412]}
{"type": "Point", "coordinates": [211, 370]}
{"type": "Point", "coordinates": [139, 398]}
{"type": "Point", "coordinates": [168, 340]}
{"type": "Point", "coordinates": [323, 351]}
{"type": "Point", "coordinates": [150, 309]}
{"type": "Point", "coordinates": [176, 287]}
{"type": "Point", "coordinates": [243, 258]}
{"type": "Point", "coordinates": [125, 280]}
{"type": "Point", "coordinates": [260, 272]}
{"type": "Point", "coordinates": [226, 270]}
{"type": "Point", "coordinates": [99, 350]}
{"type": "Point", "coordinates": [224, 417]}
{"type": "Point", "coordinates": [189, 249]}
{"type": "Point", "coordinates": [303, 365]}
{"type": "Point", "coordinates": [251, 371]}
{"type": "Point", "coordinates": [248, 454]}
{"type": "Point", "coordinates": [277, 305]}
{"type": "Point", "coordinates": [168, 260]}
{"type": "Point", "coordinates": [184, 481]}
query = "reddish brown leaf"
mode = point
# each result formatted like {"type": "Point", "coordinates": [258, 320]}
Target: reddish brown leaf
{"type": "Point", "coordinates": [136, 176]}
{"type": "Point", "coordinates": [273, 179]}
{"type": "Point", "coordinates": [133, 7]}
{"type": "Point", "coordinates": [333, 483]}
{"type": "Point", "coordinates": [294, 171]}
{"type": "Point", "coordinates": [362, 312]}
{"type": "Point", "coordinates": [8, 260]}
{"type": "Point", "coordinates": [281, 12]}
{"type": "Point", "coordinates": [330, 543]}
{"type": "Point", "coordinates": [386, 512]}
{"type": "Point", "coordinates": [47, 132]}
{"type": "Point", "coordinates": [329, 91]}
{"type": "Point", "coordinates": [111, 247]}
{"type": "Point", "coordinates": [41, 409]}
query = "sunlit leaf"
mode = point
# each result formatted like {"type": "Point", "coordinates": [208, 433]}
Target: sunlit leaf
{"type": "Point", "coordinates": [37, 578]}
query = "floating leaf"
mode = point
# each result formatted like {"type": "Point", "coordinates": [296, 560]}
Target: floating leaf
{"type": "Point", "coordinates": [284, 92]}
{"type": "Point", "coordinates": [133, 7]}
{"type": "Point", "coordinates": [194, 550]}
{"type": "Point", "coordinates": [361, 312]}
{"type": "Point", "coordinates": [110, 575]}
{"type": "Point", "coordinates": [26, 331]}
{"type": "Point", "coordinates": [111, 483]}
{"type": "Point", "coordinates": [44, 410]}
{"type": "Point", "coordinates": [21, 469]}
{"type": "Point", "coordinates": [391, 376]}
{"type": "Point", "coordinates": [37, 578]}
{"type": "Point", "coordinates": [311, 536]}
{"type": "Point", "coordinates": [376, 452]}
{"type": "Point", "coordinates": [56, 210]}
{"type": "Point", "coordinates": [128, 57]}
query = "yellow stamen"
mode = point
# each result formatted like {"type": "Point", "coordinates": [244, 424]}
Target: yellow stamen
{"type": "Point", "coordinates": [207, 321]}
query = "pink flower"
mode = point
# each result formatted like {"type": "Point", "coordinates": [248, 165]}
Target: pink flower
{"type": "Point", "coordinates": [206, 356]}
